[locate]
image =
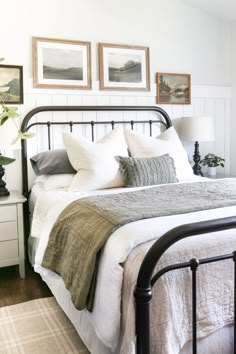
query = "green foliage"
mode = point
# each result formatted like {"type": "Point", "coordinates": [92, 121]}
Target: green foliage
{"type": "Point", "coordinates": [211, 160]}
{"type": "Point", "coordinates": [10, 113]}
{"type": "Point", "coordinates": [7, 112]}
{"type": "Point", "coordinates": [5, 160]}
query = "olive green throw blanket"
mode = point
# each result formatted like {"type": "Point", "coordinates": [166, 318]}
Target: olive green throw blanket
{"type": "Point", "coordinates": [84, 226]}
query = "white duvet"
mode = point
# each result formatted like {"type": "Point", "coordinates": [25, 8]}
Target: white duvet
{"type": "Point", "coordinates": [106, 316]}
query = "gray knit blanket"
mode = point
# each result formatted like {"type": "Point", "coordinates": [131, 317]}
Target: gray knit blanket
{"type": "Point", "coordinates": [84, 226]}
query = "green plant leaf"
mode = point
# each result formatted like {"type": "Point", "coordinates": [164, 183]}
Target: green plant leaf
{"type": "Point", "coordinates": [3, 119]}
{"type": "Point", "coordinates": [8, 112]}
{"type": "Point", "coordinates": [12, 112]}
{"type": "Point", "coordinates": [20, 135]}
{"type": "Point", "coordinates": [4, 160]}
{"type": "Point", "coordinates": [14, 140]}
{"type": "Point", "coordinates": [25, 135]}
{"type": "Point", "coordinates": [211, 160]}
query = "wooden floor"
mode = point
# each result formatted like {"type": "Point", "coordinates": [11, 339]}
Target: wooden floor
{"type": "Point", "coordinates": [14, 290]}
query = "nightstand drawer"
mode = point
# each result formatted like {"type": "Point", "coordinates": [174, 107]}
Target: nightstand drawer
{"type": "Point", "coordinates": [8, 231]}
{"type": "Point", "coordinates": [8, 249]}
{"type": "Point", "coordinates": [7, 213]}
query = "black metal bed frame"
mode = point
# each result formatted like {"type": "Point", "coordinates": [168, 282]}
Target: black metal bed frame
{"type": "Point", "coordinates": [146, 279]}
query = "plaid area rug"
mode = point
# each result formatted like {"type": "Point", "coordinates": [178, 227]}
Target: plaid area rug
{"type": "Point", "coordinates": [38, 327]}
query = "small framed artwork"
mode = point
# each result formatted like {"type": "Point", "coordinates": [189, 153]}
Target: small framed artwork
{"type": "Point", "coordinates": [60, 63]}
{"type": "Point", "coordinates": [11, 84]}
{"type": "Point", "coordinates": [173, 88]}
{"type": "Point", "coordinates": [124, 67]}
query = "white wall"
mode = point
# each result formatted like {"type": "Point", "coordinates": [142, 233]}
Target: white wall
{"type": "Point", "coordinates": [182, 39]}
{"type": "Point", "coordinates": [233, 116]}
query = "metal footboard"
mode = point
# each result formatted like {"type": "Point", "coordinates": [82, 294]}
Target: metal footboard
{"type": "Point", "coordinates": [146, 279]}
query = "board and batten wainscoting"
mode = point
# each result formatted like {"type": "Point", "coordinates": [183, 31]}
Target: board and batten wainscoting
{"type": "Point", "coordinates": [206, 101]}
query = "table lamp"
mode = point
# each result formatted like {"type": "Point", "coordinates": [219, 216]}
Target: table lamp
{"type": "Point", "coordinates": [197, 129]}
{"type": "Point", "coordinates": [7, 133]}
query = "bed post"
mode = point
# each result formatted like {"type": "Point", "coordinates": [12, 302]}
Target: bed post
{"type": "Point", "coordinates": [143, 298]}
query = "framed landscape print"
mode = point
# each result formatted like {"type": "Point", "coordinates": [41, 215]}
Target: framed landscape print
{"type": "Point", "coordinates": [60, 63]}
{"type": "Point", "coordinates": [124, 67]}
{"type": "Point", "coordinates": [11, 84]}
{"type": "Point", "coordinates": [173, 88]}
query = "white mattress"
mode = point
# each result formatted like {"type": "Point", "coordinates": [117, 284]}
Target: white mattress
{"type": "Point", "coordinates": [83, 321]}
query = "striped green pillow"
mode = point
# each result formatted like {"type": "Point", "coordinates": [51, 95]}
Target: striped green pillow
{"type": "Point", "coordinates": [146, 171]}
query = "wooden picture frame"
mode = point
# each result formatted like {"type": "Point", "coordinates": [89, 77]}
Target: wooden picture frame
{"type": "Point", "coordinates": [124, 67]}
{"type": "Point", "coordinates": [11, 84]}
{"type": "Point", "coordinates": [173, 88]}
{"type": "Point", "coordinates": [61, 63]}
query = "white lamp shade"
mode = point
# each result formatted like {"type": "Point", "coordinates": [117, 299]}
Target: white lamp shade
{"type": "Point", "coordinates": [197, 129]}
{"type": "Point", "coordinates": [8, 131]}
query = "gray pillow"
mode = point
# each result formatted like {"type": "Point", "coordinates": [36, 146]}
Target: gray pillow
{"type": "Point", "coordinates": [146, 171]}
{"type": "Point", "coordinates": [51, 162]}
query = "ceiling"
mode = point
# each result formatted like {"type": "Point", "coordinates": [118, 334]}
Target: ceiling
{"type": "Point", "coordinates": [225, 9]}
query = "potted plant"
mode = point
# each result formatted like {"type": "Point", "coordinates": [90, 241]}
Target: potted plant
{"type": "Point", "coordinates": [212, 161]}
{"type": "Point", "coordinates": [7, 113]}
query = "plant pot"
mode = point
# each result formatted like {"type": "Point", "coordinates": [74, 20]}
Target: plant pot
{"type": "Point", "coordinates": [211, 172]}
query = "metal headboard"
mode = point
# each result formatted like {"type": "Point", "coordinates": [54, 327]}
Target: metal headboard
{"type": "Point", "coordinates": [162, 118]}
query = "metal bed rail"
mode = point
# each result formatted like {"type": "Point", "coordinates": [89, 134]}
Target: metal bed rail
{"type": "Point", "coordinates": [146, 279]}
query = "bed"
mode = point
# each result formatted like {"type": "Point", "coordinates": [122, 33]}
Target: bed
{"type": "Point", "coordinates": [141, 267]}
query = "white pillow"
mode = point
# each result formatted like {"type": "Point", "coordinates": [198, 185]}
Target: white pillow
{"type": "Point", "coordinates": [95, 162]}
{"type": "Point", "coordinates": [167, 142]}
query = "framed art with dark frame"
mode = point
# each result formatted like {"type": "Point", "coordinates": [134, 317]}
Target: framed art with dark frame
{"type": "Point", "coordinates": [61, 63]}
{"type": "Point", "coordinates": [173, 88]}
{"type": "Point", "coordinates": [11, 84]}
{"type": "Point", "coordinates": [124, 67]}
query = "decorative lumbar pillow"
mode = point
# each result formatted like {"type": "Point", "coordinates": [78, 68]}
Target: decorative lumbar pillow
{"type": "Point", "coordinates": [147, 171]}
{"type": "Point", "coordinates": [95, 162]}
{"type": "Point", "coordinates": [51, 162]}
{"type": "Point", "coordinates": [167, 142]}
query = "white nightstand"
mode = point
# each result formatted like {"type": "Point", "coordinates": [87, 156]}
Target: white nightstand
{"type": "Point", "coordinates": [12, 249]}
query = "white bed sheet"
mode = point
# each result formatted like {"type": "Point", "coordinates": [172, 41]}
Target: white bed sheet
{"type": "Point", "coordinates": [42, 184]}
{"type": "Point", "coordinates": [36, 192]}
{"type": "Point", "coordinates": [104, 322]}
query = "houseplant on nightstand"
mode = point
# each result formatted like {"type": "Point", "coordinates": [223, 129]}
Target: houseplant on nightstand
{"type": "Point", "coordinates": [212, 161]}
{"type": "Point", "coordinates": [9, 134]}
{"type": "Point", "coordinates": [8, 129]}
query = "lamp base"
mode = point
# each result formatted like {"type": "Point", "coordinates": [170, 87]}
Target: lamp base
{"type": "Point", "coordinates": [4, 192]}
{"type": "Point", "coordinates": [197, 158]}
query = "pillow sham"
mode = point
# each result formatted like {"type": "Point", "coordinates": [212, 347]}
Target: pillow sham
{"type": "Point", "coordinates": [167, 142]}
{"type": "Point", "coordinates": [95, 162]}
{"type": "Point", "coordinates": [51, 162]}
{"type": "Point", "coordinates": [147, 171]}
{"type": "Point", "coordinates": [57, 181]}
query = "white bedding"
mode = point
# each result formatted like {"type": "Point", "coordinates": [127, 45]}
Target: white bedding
{"type": "Point", "coordinates": [105, 319]}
